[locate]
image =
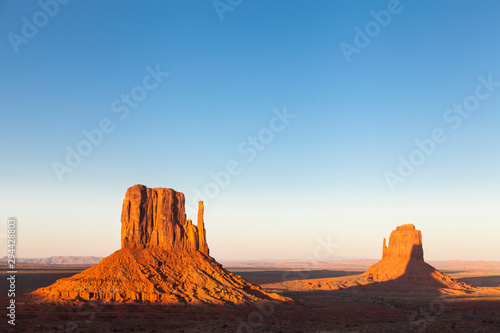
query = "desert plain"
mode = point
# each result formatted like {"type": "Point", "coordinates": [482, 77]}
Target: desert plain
{"type": "Point", "coordinates": [310, 311]}
{"type": "Point", "coordinates": [163, 279]}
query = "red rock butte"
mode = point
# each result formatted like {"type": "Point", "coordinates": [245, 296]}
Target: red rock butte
{"type": "Point", "coordinates": [403, 265]}
{"type": "Point", "coordinates": [401, 270]}
{"type": "Point", "coordinates": [156, 218]}
{"type": "Point", "coordinates": [405, 242]}
{"type": "Point", "coordinates": [164, 258]}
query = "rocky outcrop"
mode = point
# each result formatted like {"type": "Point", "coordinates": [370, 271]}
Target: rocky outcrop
{"type": "Point", "coordinates": [403, 259]}
{"type": "Point", "coordinates": [401, 270]}
{"type": "Point", "coordinates": [154, 275]}
{"type": "Point", "coordinates": [405, 243]}
{"type": "Point", "coordinates": [156, 218]}
{"type": "Point", "coordinates": [164, 258]}
{"type": "Point", "coordinates": [202, 234]}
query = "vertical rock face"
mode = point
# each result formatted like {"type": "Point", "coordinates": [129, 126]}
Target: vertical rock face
{"type": "Point", "coordinates": [404, 252]}
{"type": "Point", "coordinates": [404, 243]}
{"type": "Point", "coordinates": [156, 218]}
{"type": "Point", "coordinates": [164, 258]}
{"type": "Point", "coordinates": [403, 260]}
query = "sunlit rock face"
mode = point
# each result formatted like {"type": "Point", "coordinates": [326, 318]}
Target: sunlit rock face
{"type": "Point", "coordinates": [403, 260]}
{"type": "Point", "coordinates": [402, 269]}
{"type": "Point", "coordinates": [164, 258]}
{"type": "Point", "coordinates": [405, 243]}
{"type": "Point", "coordinates": [156, 218]}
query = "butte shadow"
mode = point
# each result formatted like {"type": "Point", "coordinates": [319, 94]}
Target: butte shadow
{"type": "Point", "coordinates": [164, 259]}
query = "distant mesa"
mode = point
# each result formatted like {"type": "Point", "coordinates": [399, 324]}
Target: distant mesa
{"type": "Point", "coordinates": [401, 270]}
{"type": "Point", "coordinates": [164, 258]}
{"type": "Point", "coordinates": [57, 260]}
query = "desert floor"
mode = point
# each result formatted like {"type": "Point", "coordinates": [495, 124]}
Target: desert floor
{"type": "Point", "coordinates": [321, 311]}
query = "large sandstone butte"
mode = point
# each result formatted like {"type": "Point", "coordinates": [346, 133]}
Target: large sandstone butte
{"type": "Point", "coordinates": [402, 269]}
{"type": "Point", "coordinates": [164, 258]}
{"type": "Point", "coordinates": [155, 218]}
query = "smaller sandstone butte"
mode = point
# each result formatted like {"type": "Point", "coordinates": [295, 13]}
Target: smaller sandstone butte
{"type": "Point", "coordinates": [403, 253]}
{"type": "Point", "coordinates": [402, 269]}
{"type": "Point", "coordinates": [164, 258]}
{"type": "Point", "coordinates": [403, 264]}
{"type": "Point", "coordinates": [405, 242]}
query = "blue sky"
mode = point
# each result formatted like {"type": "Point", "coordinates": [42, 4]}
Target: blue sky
{"type": "Point", "coordinates": [322, 175]}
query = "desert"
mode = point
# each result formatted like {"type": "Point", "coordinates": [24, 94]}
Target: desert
{"type": "Point", "coordinates": [249, 166]}
{"type": "Point", "coordinates": [311, 311]}
{"type": "Point", "coordinates": [164, 280]}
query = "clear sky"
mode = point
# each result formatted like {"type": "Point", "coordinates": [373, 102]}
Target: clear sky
{"type": "Point", "coordinates": [335, 122]}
